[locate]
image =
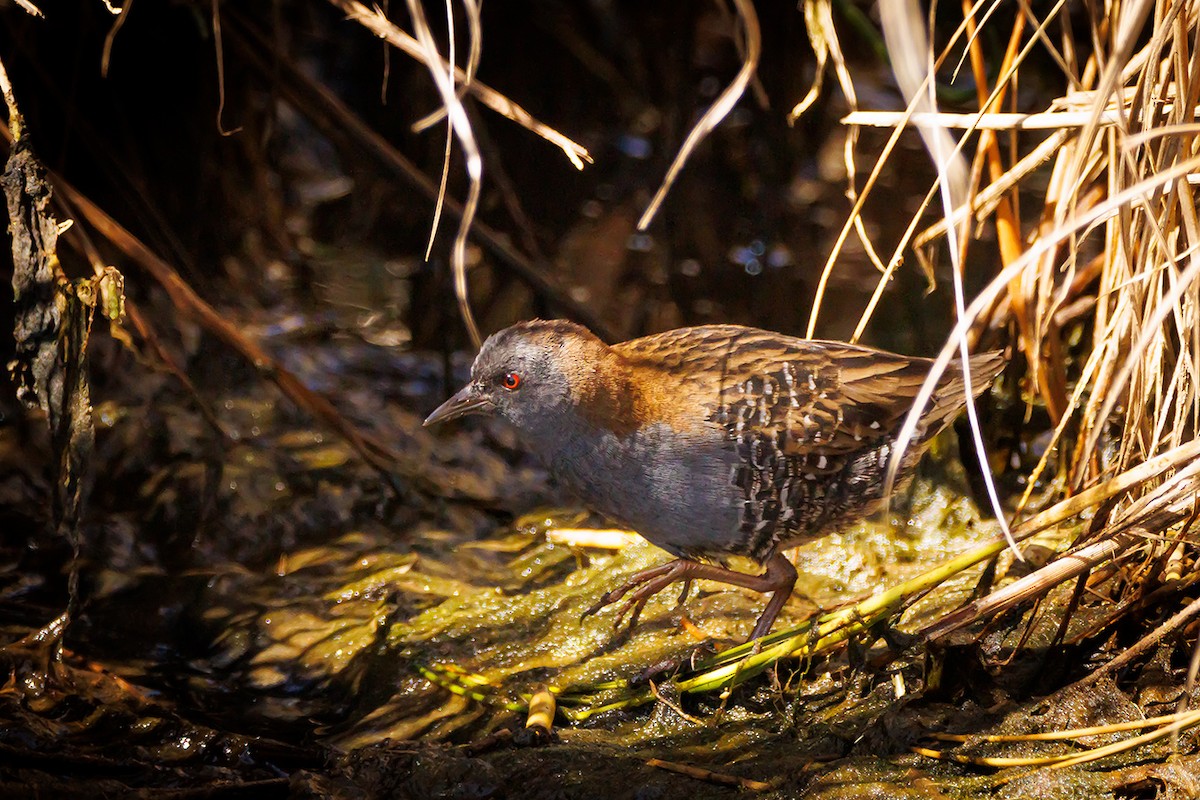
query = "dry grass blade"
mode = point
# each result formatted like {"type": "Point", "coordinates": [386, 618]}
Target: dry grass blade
{"type": "Point", "coordinates": [31, 8]}
{"type": "Point", "coordinates": [1181, 722]}
{"type": "Point", "coordinates": [461, 126]}
{"type": "Point", "coordinates": [122, 15]}
{"type": "Point", "coordinates": [822, 35]}
{"type": "Point", "coordinates": [995, 121]}
{"type": "Point", "coordinates": [374, 21]}
{"type": "Point", "coordinates": [818, 22]}
{"type": "Point", "coordinates": [986, 761]}
{"type": "Point", "coordinates": [719, 109]}
{"type": "Point", "coordinates": [1057, 736]}
{"type": "Point", "coordinates": [448, 150]}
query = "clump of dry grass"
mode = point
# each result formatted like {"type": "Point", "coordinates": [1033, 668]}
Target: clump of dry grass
{"type": "Point", "coordinates": [1110, 255]}
{"type": "Point", "coordinates": [1098, 290]}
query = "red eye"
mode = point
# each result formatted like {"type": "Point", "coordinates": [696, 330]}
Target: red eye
{"type": "Point", "coordinates": [511, 381]}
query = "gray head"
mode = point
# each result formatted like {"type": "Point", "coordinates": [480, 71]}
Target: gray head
{"type": "Point", "coordinates": [527, 373]}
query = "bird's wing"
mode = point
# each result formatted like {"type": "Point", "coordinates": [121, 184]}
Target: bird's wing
{"type": "Point", "coordinates": [811, 397]}
{"type": "Point", "coordinates": [822, 399]}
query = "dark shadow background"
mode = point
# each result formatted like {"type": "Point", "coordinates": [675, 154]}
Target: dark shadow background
{"type": "Point", "coordinates": [741, 238]}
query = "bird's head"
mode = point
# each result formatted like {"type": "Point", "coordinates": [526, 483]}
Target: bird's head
{"type": "Point", "coordinates": [528, 374]}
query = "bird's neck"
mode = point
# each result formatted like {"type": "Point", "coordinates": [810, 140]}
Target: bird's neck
{"type": "Point", "coordinates": [604, 409]}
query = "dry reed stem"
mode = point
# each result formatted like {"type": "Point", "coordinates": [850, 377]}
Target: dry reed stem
{"type": "Point", "coordinates": [443, 77]}
{"type": "Point", "coordinates": [717, 111]}
{"type": "Point", "coordinates": [374, 21]}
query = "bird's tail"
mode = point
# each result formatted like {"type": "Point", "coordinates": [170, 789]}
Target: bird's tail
{"type": "Point", "coordinates": [950, 399]}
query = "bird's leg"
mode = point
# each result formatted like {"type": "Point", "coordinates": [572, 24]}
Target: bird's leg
{"type": "Point", "coordinates": [779, 578]}
{"type": "Point", "coordinates": [687, 587]}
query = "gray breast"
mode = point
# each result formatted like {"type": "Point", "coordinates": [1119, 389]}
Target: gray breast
{"type": "Point", "coordinates": [674, 489]}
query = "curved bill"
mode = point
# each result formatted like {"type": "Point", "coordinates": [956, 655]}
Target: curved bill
{"type": "Point", "coordinates": [468, 400]}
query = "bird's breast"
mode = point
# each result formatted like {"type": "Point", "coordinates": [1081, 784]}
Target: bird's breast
{"type": "Point", "coordinates": [674, 488]}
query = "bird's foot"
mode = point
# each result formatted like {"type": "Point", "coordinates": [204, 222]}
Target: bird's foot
{"type": "Point", "coordinates": [643, 586]}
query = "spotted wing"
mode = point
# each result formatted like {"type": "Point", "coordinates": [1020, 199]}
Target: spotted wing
{"type": "Point", "coordinates": [808, 396]}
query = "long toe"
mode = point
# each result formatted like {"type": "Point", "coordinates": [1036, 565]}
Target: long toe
{"type": "Point", "coordinates": [634, 609]}
{"type": "Point", "coordinates": [605, 599]}
{"type": "Point", "coordinates": [683, 594]}
{"type": "Point", "coordinates": [637, 581]}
